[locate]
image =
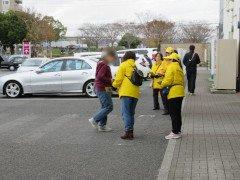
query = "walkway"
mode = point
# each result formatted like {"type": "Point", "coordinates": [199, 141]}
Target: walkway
{"type": "Point", "coordinates": [210, 147]}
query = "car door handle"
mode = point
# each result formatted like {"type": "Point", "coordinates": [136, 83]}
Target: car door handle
{"type": "Point", "coordinates": [57, 75]}
{"type": "Point", "coordinates": [84, 73]}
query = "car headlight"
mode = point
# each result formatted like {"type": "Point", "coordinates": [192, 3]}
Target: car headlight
{"type": "Point", "coordinates": [1, 85]}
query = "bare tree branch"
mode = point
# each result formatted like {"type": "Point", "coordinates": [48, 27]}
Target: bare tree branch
{"type": "Point", "coordinates": [195, 32]}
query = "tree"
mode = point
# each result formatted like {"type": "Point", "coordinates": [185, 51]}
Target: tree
{"type": "Point", "coordinates": [12, 30]}
{"type": "Point", "coordinates": [132, 28]}
{"type": "Point", "coordinates": [92, 34]}
{"type": "Point", "coordinates": [195, 32]}
{"type": "Point", "coordinates": [159, 31]}
{"type": "Point", "coordinates": [42, 28]}
{"type": "Point", "coordinates": [112, 31]}
{"type": "Point", "coordinates": [129, 41]}
{"type": "Point", "coordinates": [58, 28]}
{"type": "Point", "coordinates": [32, 20]}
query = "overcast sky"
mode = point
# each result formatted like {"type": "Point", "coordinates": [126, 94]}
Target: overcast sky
{"type": "Point", "coordinates": [73, 13]}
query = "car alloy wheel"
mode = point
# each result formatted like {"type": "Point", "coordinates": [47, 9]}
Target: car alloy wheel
{"type": "Point", "coordinates": [13, 90]}
{"type": "Point", "coordinates": [89, 89]}
{"type": "Point", "coordinates": [12, 68]}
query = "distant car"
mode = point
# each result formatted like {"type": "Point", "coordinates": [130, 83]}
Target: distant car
{"type": "Point", "coordinates": [13, 62]}
{"type": "Point", "coordinates": [32, 64]}
{"type": "Point", "coordinates": [141, 63]}
{"type": "Point", "coordinates": [140, 51]}
{"type": "Point", "coordinates": [113, 66]}
{"type": "Point", "coordinates": [59, 76]}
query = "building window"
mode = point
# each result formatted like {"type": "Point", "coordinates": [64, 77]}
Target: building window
{"type": "Point", "coordinates": [6, 2]}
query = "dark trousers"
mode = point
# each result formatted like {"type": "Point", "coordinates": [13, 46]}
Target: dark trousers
{"type": "Point", "coordinates": [175, 110]}
{"type": "Point", "coordinates": [155, 98]}
{"type": "Point", "coordinates": [165, 101]}
{"type": "Point", "coordinates": [191, 77]}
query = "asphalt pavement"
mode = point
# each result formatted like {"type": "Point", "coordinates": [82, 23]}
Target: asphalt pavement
{"type": "Point", "coordinates": [50, 138]}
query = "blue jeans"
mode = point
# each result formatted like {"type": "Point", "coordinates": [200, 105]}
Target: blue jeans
{"type": "Point", "coordinates": [106, 107]}
{"type": "Point", "coordinates": [128, 106]}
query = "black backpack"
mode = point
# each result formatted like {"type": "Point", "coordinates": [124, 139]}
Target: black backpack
{"type": "Point", "coordinates": [137, 77]}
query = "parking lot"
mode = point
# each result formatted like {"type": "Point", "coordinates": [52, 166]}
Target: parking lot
{"type": "Point", "coordinates": [50, 137]}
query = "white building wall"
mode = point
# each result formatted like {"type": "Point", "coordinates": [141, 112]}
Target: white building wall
{"type": "Point", "coordinates": [230, 17]}
{"type": "Point", "coordinates": [235, 19]}
{"type": "Point", "coordinates": [6, 5]}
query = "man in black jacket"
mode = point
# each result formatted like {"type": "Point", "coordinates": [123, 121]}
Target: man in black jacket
{"type": "Point", "coordinates": [191, 60]}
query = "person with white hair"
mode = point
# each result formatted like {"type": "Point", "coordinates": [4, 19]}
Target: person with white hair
{"type": "Point", "coordinates": [103, 87]}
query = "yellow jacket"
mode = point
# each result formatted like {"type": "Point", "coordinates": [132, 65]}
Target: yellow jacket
{"type": "Point", "coordinates": [122, 82]}
{"type": "Point", "coordinates": [156, 81]}
{"type": "Point", "coordinates": [174, 77]}
{"type": "Point", "coordinates": [162, 69]}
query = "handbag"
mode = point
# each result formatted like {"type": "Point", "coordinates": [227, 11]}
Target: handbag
{"type": "Point", "coordinates": [136, 77]}
{"type": "Point", "coordinates": [166, 90]}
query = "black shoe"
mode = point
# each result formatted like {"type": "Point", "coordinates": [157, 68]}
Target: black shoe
{"type": "Point", "coordinates": [155, 109]}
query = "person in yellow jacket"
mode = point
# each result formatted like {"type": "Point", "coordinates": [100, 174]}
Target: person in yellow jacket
{"type": "Point", "coordinates": [156, 80]}
{"type": "Point", "coordinates": [161, 72]}
{"type": "Point", "coordinates": [128, 93]}
{"type": "Point", "coordinates": [165, 62]}
{"type": "Point", "coordinates": [174, 81]}
{"type": "Point", "coordinates": [169, 51]}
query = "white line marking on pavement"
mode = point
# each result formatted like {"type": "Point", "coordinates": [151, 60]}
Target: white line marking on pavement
{"type": "Point", "coordinates": [144, 116]}
{"type": "Point", "coordinates": [167, 161]}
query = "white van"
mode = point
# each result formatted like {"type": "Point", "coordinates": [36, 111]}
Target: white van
{"type": "Point", "coordinates": [86, 54]}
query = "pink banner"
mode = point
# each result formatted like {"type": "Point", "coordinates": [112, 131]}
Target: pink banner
{"type": "Point", "coordinates": [26, 48]}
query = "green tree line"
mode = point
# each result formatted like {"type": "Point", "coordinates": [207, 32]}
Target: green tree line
{"type": "Point", "coordinates": [34, 27]}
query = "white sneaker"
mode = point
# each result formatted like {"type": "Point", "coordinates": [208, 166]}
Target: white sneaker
{"type": "Point", "coordinates": [104, 129]}
{"type": "Point", "coordinates": [93, 123]}
{"type": "Point", "coordinates": [173, 136]}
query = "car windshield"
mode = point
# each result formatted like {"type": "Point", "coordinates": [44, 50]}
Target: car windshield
{"type": "Point", "coordinates": [32, 62]}
{"type": "Point", "coordinates": [95, 59]}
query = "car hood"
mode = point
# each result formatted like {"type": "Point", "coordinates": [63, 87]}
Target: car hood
{"type": "Point", "coordinates": [25, 69]}
{"type": "Point", "coordinates": [15, 76]}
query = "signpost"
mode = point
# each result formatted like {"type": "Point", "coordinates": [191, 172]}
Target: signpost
{"type": "Point", "coordinates": [26, 48]}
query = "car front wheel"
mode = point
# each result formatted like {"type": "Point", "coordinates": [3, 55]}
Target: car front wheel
{"type": "Point", "coordinates": [13, 89]}
{"type": "Point", "coordinates": [12, 68]}
{"type": "Point", "coordinates": [89, 89]}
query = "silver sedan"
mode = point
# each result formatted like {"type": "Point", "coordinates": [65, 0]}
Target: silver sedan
{"type": "Point", "coordinates": [58, 76]}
